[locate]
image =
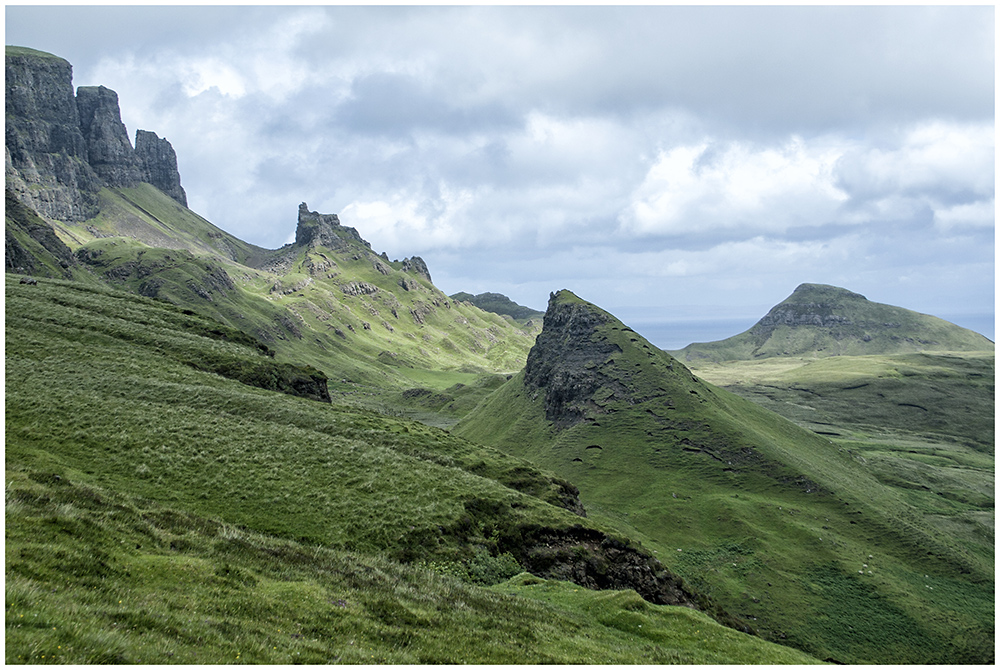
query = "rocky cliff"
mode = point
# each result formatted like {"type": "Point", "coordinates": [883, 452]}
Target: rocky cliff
{"type": "Point", "coordinates": [567, 359]}
{"type": "Point", "coordinates": [61, 148]}
{"type": "Point", "coordinates": [45, 152]}
{"type": "Point", "coordinates": [158, 163]}
{"type": "Point", "coordinates": [315, 229]}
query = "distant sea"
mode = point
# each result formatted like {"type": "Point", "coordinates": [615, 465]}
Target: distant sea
{"type": "Point", "coordinates": [673, 335]}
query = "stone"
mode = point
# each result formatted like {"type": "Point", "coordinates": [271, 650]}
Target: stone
{"type": "Point", "coordinates": [109, 150]}
{"type": "Point", "coordinates": [45, 152]}
{"type": "Point", "coordinates": [315, 229]}
{"type": "Point", "coordinates": [417, 266]}
{"type": "Point", "coordinates": [158, 163]}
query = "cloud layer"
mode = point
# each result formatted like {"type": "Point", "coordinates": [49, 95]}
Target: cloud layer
{"type": "Point", "coordinates": [653, 157]}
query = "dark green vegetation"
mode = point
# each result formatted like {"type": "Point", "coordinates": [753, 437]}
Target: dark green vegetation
{"type": "Point", "coordinates": [501, 304]}
{"type": "Point", "coordinates": [796, 535]}
{"type": "Point", "coordinates": [157, 512]}
{"type": "Point", "coordinates": [820, 320]}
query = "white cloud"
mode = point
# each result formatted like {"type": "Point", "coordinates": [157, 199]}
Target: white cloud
{"type": "Point", "coordinates": [716, 185]}
{"type": "Point", "coordinates": [930, 156]}
{"type": "Point", "coordinates": [198, 75]}
{"type": "Point", "coordinates": [980, 214]}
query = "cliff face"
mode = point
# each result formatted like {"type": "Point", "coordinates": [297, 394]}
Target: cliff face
{"type": "Point", "coordinates": [61, 148]}
{"type": "Point", "coordinates": [566, 361]}
{"type": "Point", "coordinates": [45, 152]}
{"type": "Point", "coordinates": [109, 151]}
{"type": "Point", "coordinates": [158, 162]}
{"type": "Point", "coordinates": [315, 229]}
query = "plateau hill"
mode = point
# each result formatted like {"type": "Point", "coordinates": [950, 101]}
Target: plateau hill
{"type": "Point", "coordinates": [822, 320]}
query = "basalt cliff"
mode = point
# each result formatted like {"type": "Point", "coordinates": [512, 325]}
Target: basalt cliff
{"type": "Point", "coordinates": [63, 146]}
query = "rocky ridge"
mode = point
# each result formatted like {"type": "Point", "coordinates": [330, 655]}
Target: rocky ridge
{"type": "Point", "coordinates": [61, 148]}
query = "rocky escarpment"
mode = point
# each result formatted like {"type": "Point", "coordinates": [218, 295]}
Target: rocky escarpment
{"type": "Point", "coordinates": [565, 362]}
{"type": "Point", "coordinates": [595, 561]}
{"type": "Point", "coordinates": [109, 151]}
{"type": "Point", "coordinates": [61, 148]}
{"type": "Point", "coordinates": [45, 152]}
{"type": "Point", "coordinates": [415, 265]}
{"type": "Point", "coordinates": [31, 246]}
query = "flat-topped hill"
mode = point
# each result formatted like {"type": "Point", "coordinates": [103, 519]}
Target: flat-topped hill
{"type": "Point", "coordinates": [822, 320]}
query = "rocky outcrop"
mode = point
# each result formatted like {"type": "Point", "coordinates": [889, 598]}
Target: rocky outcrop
{"type": "Point", "coordinates": [31, 246]}
{"type": "Point", "coordinates": [565, 362]}
{"type": "Point", "coordinates": [158, 164]}
{"type": "Point", "coordinates": [416, 266]}
{"type": "Point", "coordinates": [315, 229]}
{"type": "Point", "coordinates": [109, 151]}
{"type": "Point", "coordinates": [61, 148]}
{"type": "Point", "coordinates": [595, 561]}
{"type": "Point", "coordinates": [803, 308]}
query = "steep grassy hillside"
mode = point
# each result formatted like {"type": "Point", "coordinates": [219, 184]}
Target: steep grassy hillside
{"type": "Point", "coordinates": [923, 423]}
{"type": "Point", "coordinates": [817, 320]}
{"type": "Point", "coordinates": [794, 534]}
{"type": "Point", "coordinates": [160, 509]}
{"type": "Point", "coordinates": [378, 327]}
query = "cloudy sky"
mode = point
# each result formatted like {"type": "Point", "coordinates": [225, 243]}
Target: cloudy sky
{"type": "Point", "coordinates": [678, 166]}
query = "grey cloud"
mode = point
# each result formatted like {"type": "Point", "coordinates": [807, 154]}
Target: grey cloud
{"type": "Point", "coordinates": [414, 103]}
{"type": "Point", "coordinates": [395, 104]}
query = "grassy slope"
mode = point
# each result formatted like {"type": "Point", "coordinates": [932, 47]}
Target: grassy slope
{"type": "Point", "coordinates": [923, 423]}
{"type": "Point", "coordinates": [158, 513]}
{"type": "Point", "coordinates": [744, 528]}
{"type": "Point", "coordinates": [413, 338]}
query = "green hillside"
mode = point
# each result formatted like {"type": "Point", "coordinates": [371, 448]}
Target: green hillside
{"type": "Point", "coordinates": [500, 304]}
{"type": "Point", "coordinates": [785, 529]}
{"type": "Point", "coordinates": [818, 320]}
{"type": "Point", "coordinates": [159, 509]}
{"type": "Point", "coordinates": [374, 325]}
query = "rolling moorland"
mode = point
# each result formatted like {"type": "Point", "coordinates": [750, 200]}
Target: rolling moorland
{"type": "Point", "coordinates": [220, 453]}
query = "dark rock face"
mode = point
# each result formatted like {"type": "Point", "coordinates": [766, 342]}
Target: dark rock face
{"type": "Point", "coordinates": [315, 229]}
{"type": "Point", "coordinates": [19, 259]}
{"type": "Point", "coordinates": [45, 151]}
{"type": "Point", "coordinates": [566, 359]}
{"type": "Point", "coordinates": [416, 265]}
{"type": "Point", "coordinates": [593, 560]}
{"type": "Point", "coordinates": [62, 148]}
{"type": "Point", "coordinates": [109, 150]}
{"type": "Point", "coordinates": [158, 163]}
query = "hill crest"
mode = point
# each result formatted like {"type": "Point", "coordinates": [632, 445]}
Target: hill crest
{"type": "Point", "coordinates": [823, 320]}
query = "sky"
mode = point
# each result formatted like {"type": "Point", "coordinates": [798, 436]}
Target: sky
{"type": "Point", "coordinates": [682, 167]}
